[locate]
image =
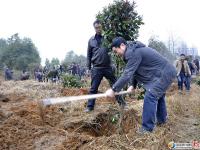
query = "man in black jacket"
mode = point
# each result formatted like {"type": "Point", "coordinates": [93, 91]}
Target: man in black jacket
{"type": "Point", "coordinates": [98, 61]}
{"type": "Point", "coordinates": [146, 66]}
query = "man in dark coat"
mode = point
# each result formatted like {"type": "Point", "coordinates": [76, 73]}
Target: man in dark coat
{"type": "Point", "coordinates": [146, 66]}
{"type": "Point", "coordinates": [8, 74]}
{"type": "Point", "coordinates": [98, 61]}
{"type": "Point", "coordinates": [25, 75]}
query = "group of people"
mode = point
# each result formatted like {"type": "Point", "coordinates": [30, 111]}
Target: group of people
{"type": "Point", "coordinates": [144, 65]}
{"type": "Point", "coordinates": [77, 70]}
{"type": "Point", "coordinates": [8, 74]}
{"type": "Point", "coordinates": [53, 73]}
{"type": "Point", "coordinates": [45, 74]}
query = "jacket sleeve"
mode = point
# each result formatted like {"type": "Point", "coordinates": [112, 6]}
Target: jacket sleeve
{"type": "Point", "coordinates": [187, 68]}
{"type": "Point", "coordinates": [177, 66]}
{"type": "Point", "coordinates": [89, 55]}
{"type": "Point", "coordinates": [133, 62]}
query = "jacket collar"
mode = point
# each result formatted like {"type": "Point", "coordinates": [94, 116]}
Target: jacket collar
{"type": "Point", "coordinates": [93, 37]}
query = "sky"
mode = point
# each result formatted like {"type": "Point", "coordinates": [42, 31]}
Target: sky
{"type": "Point", "coordinates": [58, 26]}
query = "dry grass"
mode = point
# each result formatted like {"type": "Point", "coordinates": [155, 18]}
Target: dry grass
{"type": "Point", "coordinates": [68, 127]}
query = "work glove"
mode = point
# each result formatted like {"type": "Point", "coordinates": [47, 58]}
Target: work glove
{"type": "Point", "coordinates": [110, 93]}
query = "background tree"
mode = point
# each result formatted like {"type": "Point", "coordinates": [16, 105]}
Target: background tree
{"type": "Point", "coordinates": [161, 48]}
{"type": "Point", "coordinates": [119, 19]}
{"type": "Point", "coordinates": [82, 60]}
{"type": "Point", "coordinates": [182, 47]}
{"type": "Point", "coordinates": [19, 53]}
{"type": "Point", "coordinates": [3, 46]}
{"type": "Point", "coordinates": [72, 57]}
{"type": "Point", "coordinates": [69, 57]}
{"type": "Point", "coordinates": [47, 63]}
{"type": "Point", "coordinates": [55, 62]}
{"type": "Point", "coordinates": [172, 43]}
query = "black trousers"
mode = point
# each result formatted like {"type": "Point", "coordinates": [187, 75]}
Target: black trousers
{"type": "Point", "coordinates": [97, 75]}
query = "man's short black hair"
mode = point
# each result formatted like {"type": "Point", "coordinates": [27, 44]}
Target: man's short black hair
{"type": "Point", "coordinates": [96, 22]}
{"type": "Point", "coordinates": [182, 54]}
{"type": "Point", "coordinates": [116, 42]}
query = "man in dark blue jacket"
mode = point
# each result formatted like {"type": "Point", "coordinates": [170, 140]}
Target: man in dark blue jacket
{"type": "Point", "coordinates": [146, 66]}
{"type": "Point", "coordinates": [8, 74]}
{"type": "Point", "coordinates": [98, 61]}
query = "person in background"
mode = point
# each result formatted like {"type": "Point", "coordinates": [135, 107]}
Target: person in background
{"type": "Point", "coordinates": [73, 69]}
{"type": "Point", "coordinates": [25, 75]}
{"type": "Point", "coordinates": [183, 73]}
{"type": "Point", "coordinates": [197, 64]}
{"type": "Point", "coordinates": [8, 74]}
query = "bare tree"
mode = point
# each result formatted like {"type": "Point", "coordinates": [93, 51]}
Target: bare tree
{"type": "Point", "coordinates": [172, 43]}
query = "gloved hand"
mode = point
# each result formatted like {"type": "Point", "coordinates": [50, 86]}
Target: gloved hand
{"type": "Point", "coordinates": [130, 89]}
{"type": "Point", "coordinates": [110, 93]}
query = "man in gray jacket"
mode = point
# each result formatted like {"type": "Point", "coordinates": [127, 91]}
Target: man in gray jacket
{"type": "Point", "coordinates": [146, 66]}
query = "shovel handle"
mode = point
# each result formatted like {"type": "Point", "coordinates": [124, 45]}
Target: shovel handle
{"type": "Point", "coordinates": [59, 100]}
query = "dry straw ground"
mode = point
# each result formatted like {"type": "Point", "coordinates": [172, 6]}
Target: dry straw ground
{"type": "Point", "coordinates": [68, 127]}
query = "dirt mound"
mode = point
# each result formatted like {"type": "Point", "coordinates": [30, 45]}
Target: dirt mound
{"type": "Point", "coordinates": [105, 124]}
{"type": "Point", "coordinates": [74, 142]}
{"type": "Point", "coordinates": [19, 133]}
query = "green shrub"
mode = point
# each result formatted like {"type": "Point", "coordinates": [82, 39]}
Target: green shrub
{"type": "Point", "coordinates": [142, 93]}
{"type": "Point", "coordinates": [71, 81]}
{"type": "Point", "coordinates": [198, 81]}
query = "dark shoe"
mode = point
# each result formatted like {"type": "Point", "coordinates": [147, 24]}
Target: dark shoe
{"type": "Point", "coordinates": [187, 92]}
{"type": "Point", "coordinates": [87, 110]}
{"type": "Point", "coordinates": [160, 124]}
{"type": "Point", "coordinates": [180, 91]}
{"type": "Point", "coordinates": [142, 131]}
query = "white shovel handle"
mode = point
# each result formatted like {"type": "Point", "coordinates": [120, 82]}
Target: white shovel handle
{"type": "Point", "coordinates": [59, 100]}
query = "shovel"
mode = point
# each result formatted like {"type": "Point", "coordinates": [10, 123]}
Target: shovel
{"type": "Point", "coordinates": [60, 100]}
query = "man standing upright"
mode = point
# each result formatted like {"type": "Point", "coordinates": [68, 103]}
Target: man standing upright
{"type": "Point", "coordinates": [146, 66]}
{"type": "Point", "coordinates": [183, 73]}
{"type": "Point", "coordinates": [98, 61]}
{"type": "Point", "coordinates": [196, 62]}
{"type": "Point", "coordinates": [8, 74]}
